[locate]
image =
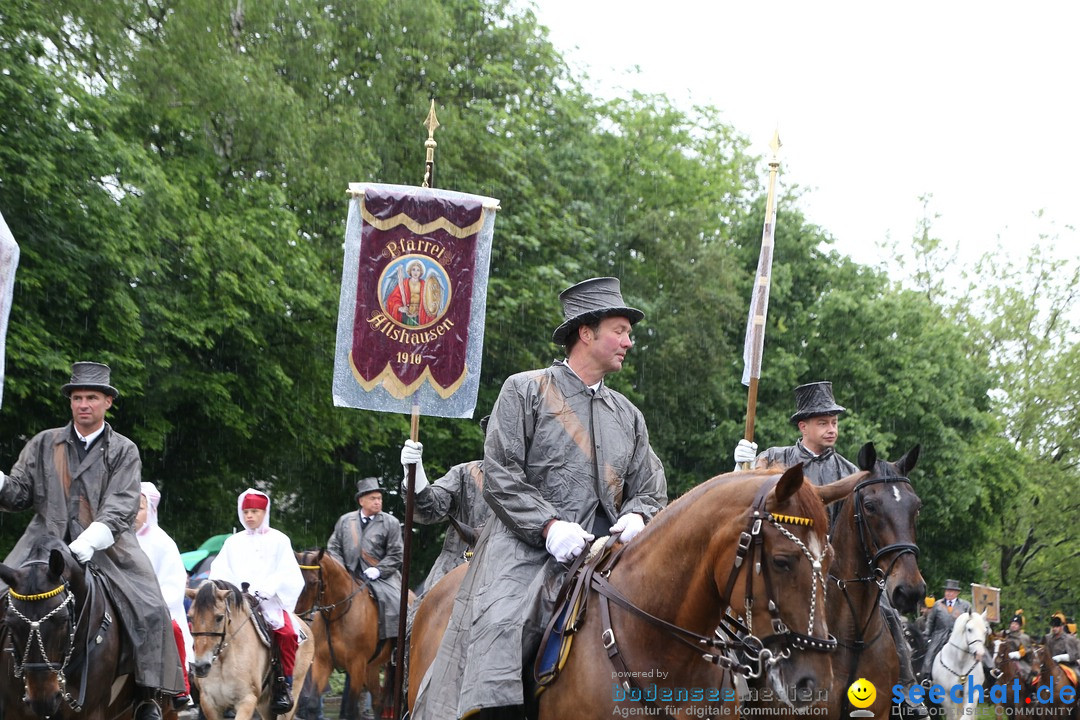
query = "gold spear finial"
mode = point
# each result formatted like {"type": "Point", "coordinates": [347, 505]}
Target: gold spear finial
{"type": "Point", "coordinates": [431, 124]}
{"type": "Point", "coordinates": [774, 144]}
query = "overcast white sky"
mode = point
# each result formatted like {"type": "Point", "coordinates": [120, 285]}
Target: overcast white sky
{"type": "Point", "coordinates": [876, 103]}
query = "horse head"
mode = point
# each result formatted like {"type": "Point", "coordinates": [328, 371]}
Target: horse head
{"type": "Point", "coordinates": [874, 533]}
{"type": "Point", "coordinates": [310, 562]}
{"type": "Point", "coordinates": [969, 634]}
{"type": "Point", "coordinates": [41, 618]}
{"type": "Point", "coordinates": [767, 546]}
{"type": "Point", "coordinates": [213, 605]}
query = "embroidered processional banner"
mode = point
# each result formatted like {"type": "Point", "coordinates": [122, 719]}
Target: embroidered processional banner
{"type": "Point", "coordinates": [9, 260]}
{"type": "Point", "coordinates": [413, 300]}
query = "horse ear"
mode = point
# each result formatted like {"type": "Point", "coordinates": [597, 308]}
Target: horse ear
{"type": "Point", "coordinates": [8, 575]}
{"type": "Point", "coordinates": [907, 463]}
{"type": "Point", "coordinates": [789, 484]}
{"type": "Point", "coordinates": [841, 488]}
{"type": "Point", "coordinates": [57, 564]}
{"type": "Point", "coordinates": [318, 558]}
{"type": "Point", "coordinates": [867, 457]}
{"type": "Point", "coordinates": [191, 592]}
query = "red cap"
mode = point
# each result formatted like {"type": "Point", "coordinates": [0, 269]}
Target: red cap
{"type": "Point", "coordinates": [251, 500]}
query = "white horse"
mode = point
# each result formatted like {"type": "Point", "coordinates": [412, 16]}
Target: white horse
{"type": "Point", "coordinates": [961, 658]}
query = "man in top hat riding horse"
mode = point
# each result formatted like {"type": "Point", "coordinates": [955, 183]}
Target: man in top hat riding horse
{"type": "Point", "coordinates": [817, 419]}
{"type": "Point", "coordinates": [83, 482]}
{"type": "Point", "coordinates": [566, 459]}
{"type": "Point", "coordinates": [939, 624]}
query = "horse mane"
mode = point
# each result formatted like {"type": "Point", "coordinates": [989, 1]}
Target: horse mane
{"type": "Point", "coordinates": [206, 596]}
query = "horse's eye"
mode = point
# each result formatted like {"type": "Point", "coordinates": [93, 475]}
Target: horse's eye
{"type": "Point", "coordinates": [783, 563]}
{"type": "Point", "coordinates": [871, 508]}
{"type": "Point", "coordinates": [220, 617]}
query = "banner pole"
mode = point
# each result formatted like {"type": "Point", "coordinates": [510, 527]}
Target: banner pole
{"type": "Point", "coordinates": [754, 346]}
{"type": "Point", "coordinates": [431, 123]}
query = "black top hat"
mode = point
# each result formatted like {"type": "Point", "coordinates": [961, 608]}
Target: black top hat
{"type": "Point", "coordinates": [952, 584]}
{"type": "Point", "coordinates": [589, 301]}
{"type": "Point", "coordinates": [91, 376]}
{"type": "Point", "coordinates": [813, 399]}
{"type": "Point", "coordinates": [366, 486]}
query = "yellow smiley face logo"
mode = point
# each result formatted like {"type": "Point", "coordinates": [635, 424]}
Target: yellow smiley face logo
{"type": "Point", "coordinates": [862, 692]}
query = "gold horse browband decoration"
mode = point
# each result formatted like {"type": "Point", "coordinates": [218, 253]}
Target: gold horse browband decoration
{"type": "Point", "coordinates": [39, 596]}
{"type": "Point", "coordinates": [793, 519]}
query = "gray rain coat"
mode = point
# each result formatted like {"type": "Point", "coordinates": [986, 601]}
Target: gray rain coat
{"type": "Point", "coordinates": [458, 493]}
{"type": "Point", "coordinates": [380, 539]}
{"type": "Point", "coordinates": [554, 450]}
{"type": "Point", "coordinates": [822, 469]}
{"type": "Point", "coordinates": [105, 487]}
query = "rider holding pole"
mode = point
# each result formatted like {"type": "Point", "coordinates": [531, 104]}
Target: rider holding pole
{"type": "Point", "coordinates": [566, 458]}
{"type": "Point", "coordinates": [817, 419]}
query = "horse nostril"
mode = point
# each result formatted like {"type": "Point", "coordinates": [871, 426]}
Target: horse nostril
{"type": "Point", "coordinates": [804, 689]}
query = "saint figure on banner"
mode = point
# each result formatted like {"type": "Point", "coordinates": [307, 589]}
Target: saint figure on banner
{"type": "Point", "coordinates": [411, 298]}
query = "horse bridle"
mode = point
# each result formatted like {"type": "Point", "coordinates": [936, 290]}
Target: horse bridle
{"type": "Point", "coordinates": [755, 653]}
{"type": "Point", "coordinates": [326, 610]}
{"type": "Point", "coordinates": [751, 542]}
{"type": "Point", "coordinates": [866, 536]}
{"type": "Point", "coordinates": [223, 635]}
{"type": "Point", "coordinates": [21, 666]}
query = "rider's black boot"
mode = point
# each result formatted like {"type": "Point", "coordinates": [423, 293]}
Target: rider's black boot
{"type": "Point", "coordinates": [146, 708]}
{"type": "Point", "coordinates": [282, 701]}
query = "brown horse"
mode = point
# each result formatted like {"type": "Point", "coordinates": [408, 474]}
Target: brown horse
{"type": "Point", "coordinates": [1015, 677]}
{"type": "Point", "coordinates": [232, 664]}
{"type": "Point", "coordinates": [344, 622]}
{"type": "Point", "coordinates": [64, 654]}
{"type": "Point", "coordinates": [752, 541]}
{"type": "Point", "coordinates": [1048, 680]}
{"type": "Point", "coordinates": [873, 538]}
{"type": "Point", "coordinates": [429, 625]}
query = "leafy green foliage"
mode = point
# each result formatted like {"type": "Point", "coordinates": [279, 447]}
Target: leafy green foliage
{"type": "Point", "coordinates": [175, 174]}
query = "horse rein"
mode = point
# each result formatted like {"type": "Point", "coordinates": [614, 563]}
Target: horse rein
{"type": "Point", "coordinates": [741, 639]}
{"type": "Point", "coordinates": [326, 610]}
{"type": "Point", "coordinates": [751, 542]}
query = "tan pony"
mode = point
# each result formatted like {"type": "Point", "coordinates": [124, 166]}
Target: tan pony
{"type": "Point", "coordinates": [747, 550]}
{"type": "Point", "coordinates": [345, 626]}
{"type": "Point", "coordinates": [231, 662]}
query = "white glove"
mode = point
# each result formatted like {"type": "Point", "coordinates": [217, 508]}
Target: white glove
{"type": "Point", "coordinates": [1063, 657]}
{"type": "Point", "coordinates": [1014, 655]}
{"type": "Point", "coordinates": [3, 479]}
{"type": "Point", "coordinates": [411, 454]}
{"type": "Point", "coordinates": [627, 527]}
{"type": "Point", "coordinates": [745, 452]}
{"type": "Point", "coordinates": [96, 536]}
{"type": "Point", "coordinates": [372, 573]}
{"type": "Point", "coordinates": [566, 540]}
